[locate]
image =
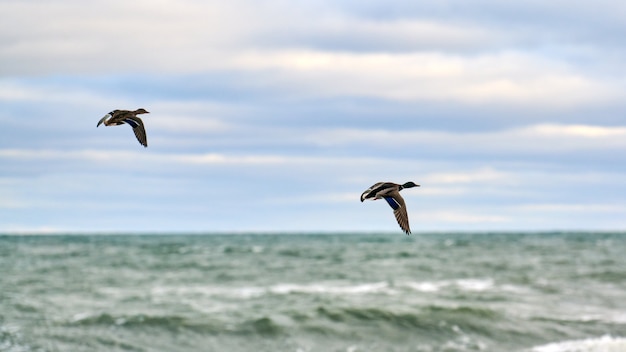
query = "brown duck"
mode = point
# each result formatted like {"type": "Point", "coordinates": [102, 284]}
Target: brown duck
{"type": "Point", "coordinates": [120, 117]}
{"type": "Point", "coordinates": [391, 193]}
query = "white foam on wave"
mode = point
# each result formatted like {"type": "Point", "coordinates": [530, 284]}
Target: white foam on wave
{"type": "Point", "coordinates": [233, 292]}
{"type": "Point", "coordinates": [607, 317]}
{"type": "Point", "coordinates": [602, 344]}
{"type": "Point", "coordinates": [426, 286]}
{"type": "Point", "coordinates": [247, 292]}
{"type": "Point", "coordinates": [471, 285]}
{"type": "Point", "coordinates": [333, 288]}
{"type": "Point", "coordinates": [165, 293]}
{"type": "Point", "coordinates": [330, 289]}
{"type": "Point", "coordinates": [475, 284]}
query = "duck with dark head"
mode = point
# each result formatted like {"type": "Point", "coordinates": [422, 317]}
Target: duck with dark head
{"type": "Point", "coordinates": [120, 117]}
{"type": "Point", "coordinates": [390, 192]}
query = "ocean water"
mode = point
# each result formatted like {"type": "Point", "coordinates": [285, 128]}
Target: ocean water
{"type": "Point", "coordinates": [543, 292]}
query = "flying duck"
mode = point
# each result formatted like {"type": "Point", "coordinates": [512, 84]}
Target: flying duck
{"type": "Point", "coordinates": [120, 117]}
{"type": "Point", "coordinates": [391, 193]}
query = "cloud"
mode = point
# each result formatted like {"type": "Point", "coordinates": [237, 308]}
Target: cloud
{"type": "Point", "coordinates": [493, 78]}
{"type": "Point", "coordinates": [117, 158]}
{"type": "Point", "coordinates": [210, 141]}
{"type": "Point", "coordinates": [486, 175]}
{"type": "Point", "coordinates": [462, 217]}
{"type": "Point", "coordinates": [175, 123]}
{"type": "Point", "coordinates": [348, 33]}
{"type": "Point", "coordinates": [323, 198]}
{"type": "Point", "coordinates": [545, 138]}
{"type": "Point", "coordinates": [190, 37]}
{"type": "Point", "coordinates": [582, 131]}
{"type": "Point", "coordinates": [75, 37]}
{"type": "Point", "coordinates": [573, 208]}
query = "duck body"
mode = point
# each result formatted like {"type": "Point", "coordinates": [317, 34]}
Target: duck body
{"type": "Point", "coordinates": [120, 117]}
{"type": "Point", "coordinates": [390, 192]}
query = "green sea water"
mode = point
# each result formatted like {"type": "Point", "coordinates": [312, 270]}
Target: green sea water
{"type": "Point", "coordinates": [540, 292]}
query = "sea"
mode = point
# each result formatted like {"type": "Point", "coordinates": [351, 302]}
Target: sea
{"type": "Point", "coordinates": [530, 292]}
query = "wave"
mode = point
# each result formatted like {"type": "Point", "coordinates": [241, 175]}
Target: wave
{"type": "Point", "coordinates": [602, 344]}
{"type": "Point", "coordinates": [143, 320]}
{"type": "Point", "coordinates": [428, 318]}
{"type": "Point", "coordinates": [250, 292]}
{"type": "Point", "coordinates": [332, 288]}
{"type": "Point", "coordinates": [605, 317]}
{"type": "Point", "coordinates": [175, 323]}
{"type": "Point", "coordinates": [470, 285]}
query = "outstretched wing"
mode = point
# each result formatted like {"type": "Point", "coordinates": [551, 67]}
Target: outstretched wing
{"type": "Point", "coordinates": [396, 202]}
{"type": "Point", "coordinates": [103, 119]}
{"type": "Point", "coordinates": [138, 129]}
{"type": "Point", "coordinates": [374, 190]}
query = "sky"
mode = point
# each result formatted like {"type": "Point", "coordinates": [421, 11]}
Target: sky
{"type": "Point", "coordinates": [274, 116]}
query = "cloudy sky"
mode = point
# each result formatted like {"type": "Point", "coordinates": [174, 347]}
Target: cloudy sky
{"type": "Point", "coordinates": [275, 115]}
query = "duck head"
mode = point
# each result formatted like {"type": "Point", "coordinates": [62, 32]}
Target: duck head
{"type": "Point", "coordinates": [141, 111]}
{"type": "Point", "coordinates": [410, 184]}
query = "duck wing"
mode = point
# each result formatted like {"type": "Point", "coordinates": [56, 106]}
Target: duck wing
{"type": "Point", "coordinates": [138, 129]}
{"type": "Point", "coordinates": [103, 119]}
{"type": "Point", "coordinates": [377, 190]}
{"type": "Point", "coordinates": [396, 202]}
